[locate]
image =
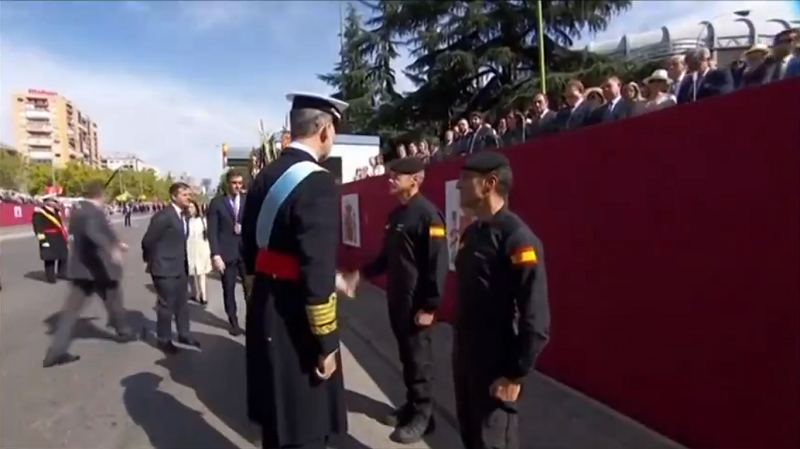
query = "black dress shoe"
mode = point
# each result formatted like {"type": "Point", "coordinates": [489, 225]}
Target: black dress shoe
{"type": "Point", "coordinates": [126, 336]}
{"type": "Point", "coordinates": [61, 359]}
{"type": "Point", "coordinates": [189, 341]}
{"type": "Point", "coordinates": [167, 346]}
{"type": "Point", "coordinates": [235, 330]}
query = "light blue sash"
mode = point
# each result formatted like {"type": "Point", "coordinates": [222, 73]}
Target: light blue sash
{"type": "Point", "coordinates": [277, 195]}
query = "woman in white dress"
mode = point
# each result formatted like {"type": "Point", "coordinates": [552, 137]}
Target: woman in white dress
{"type": "Point", "coordinates": [198, 253]}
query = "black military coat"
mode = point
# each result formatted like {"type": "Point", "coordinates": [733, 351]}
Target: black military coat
{"type": "Point", "coordinates": [283, 342]}
{"type": "Point", "coordinates": [51, 234]}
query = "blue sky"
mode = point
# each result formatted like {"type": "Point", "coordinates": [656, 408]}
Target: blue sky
{"type": "Point", "coordinates": [170, 81]}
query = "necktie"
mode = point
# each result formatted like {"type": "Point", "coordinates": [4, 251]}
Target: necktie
{"type": "Point", "coordinates": [235, 207]}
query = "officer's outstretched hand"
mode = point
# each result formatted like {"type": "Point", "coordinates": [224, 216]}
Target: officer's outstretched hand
{"type": "Point", "coordinates": [424, 319]}
{"type": "Point", "coordinates": [326, 365]}
{"type": "Point", "coordinates": [505, 390]}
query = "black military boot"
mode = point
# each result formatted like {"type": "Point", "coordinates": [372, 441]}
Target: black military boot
{"type": "Point", "coordinates": [399, 416]}
{"type": "Point", "coordinates": [419, 425]}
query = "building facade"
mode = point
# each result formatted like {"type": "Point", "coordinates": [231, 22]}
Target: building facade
{"type": "Point", "coordinates": [49, 129]}
{"type": "Point", "coordinates": [125, 161]}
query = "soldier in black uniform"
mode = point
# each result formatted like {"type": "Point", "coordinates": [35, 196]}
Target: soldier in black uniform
{"type": "Point", "coordinates": [48, 225]}
{"type": "Point", "coordinates": [290, 232]}
{"type": "Point", "coordinates": [414, 257]}
{"type": "Point", "coordinates": [502, 317]}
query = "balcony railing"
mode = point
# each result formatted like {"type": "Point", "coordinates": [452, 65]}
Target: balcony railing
{"type": "Point", "coordinates": [40, 155]}
{"type": "Point", "coordinates": [37, 128]}
{"type": "Point", "coordinates": [37, 114]}
{"type": "Point", "coordinates": [39, 141]}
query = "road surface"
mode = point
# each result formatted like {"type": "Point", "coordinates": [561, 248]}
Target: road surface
{"type": "Point", "coordinates": [131, 396]}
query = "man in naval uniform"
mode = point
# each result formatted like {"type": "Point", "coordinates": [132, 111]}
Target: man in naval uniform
{"type": "Point", "coordinates": [290, 232]}
{"type": "Point", "coordinates": [48, 225]}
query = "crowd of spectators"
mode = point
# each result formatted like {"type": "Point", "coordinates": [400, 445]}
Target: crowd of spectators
{"type": "Point", "coordinates": [683, 79]}
{"type": "Point", "coordinates": [14, 197]}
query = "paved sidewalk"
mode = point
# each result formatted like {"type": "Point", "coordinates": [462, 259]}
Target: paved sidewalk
{"type": "Point", "coordinates": [553, 416]}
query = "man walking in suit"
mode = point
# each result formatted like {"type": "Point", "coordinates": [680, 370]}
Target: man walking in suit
{"type": "Point", "coordinates": [95, 266]}
{"type": "Point", "coordinates": [164, 253]}
{"type": "Point", "coordinates": [224, 237]}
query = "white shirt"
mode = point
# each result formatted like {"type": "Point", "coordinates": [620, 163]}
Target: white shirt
{"type": "Point", "coordinates": [378, 170]}
{"type": "Point", "coordinates": [303, 147]}
{"type": "Point", "coordinates": [179, 211]}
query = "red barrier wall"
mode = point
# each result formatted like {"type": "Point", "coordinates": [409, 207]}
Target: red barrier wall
{"type": "Point", "coordinates": [672, 253]}
{"type": "Point", "coordinates": [15, 214]}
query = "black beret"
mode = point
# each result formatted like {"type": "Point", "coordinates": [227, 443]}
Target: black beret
{"type": "Point", "coordinates": [485, 162]}
{"type": "Point", "coordinates": [407, 165]}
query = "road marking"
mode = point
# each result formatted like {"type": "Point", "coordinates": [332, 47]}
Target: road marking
{"type": "Point", "coordinates": [22, 235]}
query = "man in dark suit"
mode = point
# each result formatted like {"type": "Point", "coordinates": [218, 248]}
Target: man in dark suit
{"type": "Point", "coordinates": [164, 253]}
{"type": "Point", "coordinates": [576, 112]}
{"type": "Point", "coordinates": [224, 218]}
{"type": "Point", "coordinates": [615, 108]}
{"type": "Point", "coordinates": [544, 119]}
{"type": "Point", "coordinates": [95, 266]}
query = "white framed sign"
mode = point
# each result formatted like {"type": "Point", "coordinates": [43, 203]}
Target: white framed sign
{"type": "Point", "coordinates": [351, 227]}
{"type": "Point", "coordinates": [457, 220]}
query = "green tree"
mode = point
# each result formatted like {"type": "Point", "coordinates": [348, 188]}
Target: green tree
{"type": "Point", "coordinates": [12, 170]}
{"type": "Point", "coordinates": [351, 78]}
{"type": "Point", "coordinates": [478, 55]}
{"type": "Point", "coordinates": [37, 177]}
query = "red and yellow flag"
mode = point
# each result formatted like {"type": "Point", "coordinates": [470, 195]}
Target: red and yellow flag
{"type": "Point", "coordinates": [524, 256]}
{"type": "Point", "coordinates": [436, 232]}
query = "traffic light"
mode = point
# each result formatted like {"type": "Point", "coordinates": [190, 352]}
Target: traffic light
{"type": "Point", "coordinates": [224, 154]}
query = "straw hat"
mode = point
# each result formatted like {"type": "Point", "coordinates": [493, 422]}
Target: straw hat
{"type": "Point", "coordinates": [658, 75]}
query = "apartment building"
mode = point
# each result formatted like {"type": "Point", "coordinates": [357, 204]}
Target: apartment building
{"type": "Point", "coordinates": [126, 161]}
{"type": "Point", "coordinates": [49, 129]}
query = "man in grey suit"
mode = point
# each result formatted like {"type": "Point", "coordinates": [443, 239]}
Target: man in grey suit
{"type": "Point", "coordinates": [95, 266]}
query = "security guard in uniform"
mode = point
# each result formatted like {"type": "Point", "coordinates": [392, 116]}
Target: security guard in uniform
{"type": "Point", "coordinates": [290, 232]}
{"type": "Point", "coordinates": [502, 317]}
{"type": "Point", "coordinates": [53, 239]}
{"type": "Point", "coordinates": [414, 257]}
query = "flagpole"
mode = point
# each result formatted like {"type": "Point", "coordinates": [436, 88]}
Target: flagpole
{"type": "Point", "coordinates": [540, 26]}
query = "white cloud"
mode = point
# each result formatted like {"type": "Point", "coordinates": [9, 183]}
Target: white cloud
{"type": "Point", "coordinates": [214, 14]}
{"type": "Point", "coordinates": [173, 125]}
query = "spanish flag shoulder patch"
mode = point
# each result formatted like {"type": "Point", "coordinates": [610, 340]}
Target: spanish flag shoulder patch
{"type": "Point", "coordinates": [436, 232]}
{"type": "Point", "coordinates": [525, 255]}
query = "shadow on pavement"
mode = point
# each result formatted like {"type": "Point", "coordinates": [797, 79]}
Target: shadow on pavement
{"type": "Point", "coordinates": [217, 376]}
{"type": "Point", "coordinates": [388, 379]}
{"type": "Point", "coordinates": [200, 315]}
{"type": "Point", "coordinates": [169, 424]}
{"type": "Point", "coordinates": [37, 275]}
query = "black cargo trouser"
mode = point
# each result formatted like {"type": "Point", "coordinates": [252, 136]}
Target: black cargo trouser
{"type": "Point", "coordinates": [415, 347]}
{"type": "Point", "coordinates": [54, 269]}
{"type": "Point", "coordinates": [484, 422]}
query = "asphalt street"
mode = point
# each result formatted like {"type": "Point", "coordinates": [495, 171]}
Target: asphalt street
{"type": "Point", "coordinates": [131, 396]}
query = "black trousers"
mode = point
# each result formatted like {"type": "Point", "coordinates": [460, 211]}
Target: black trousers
{"type": "Point", "coordinates": [234, 271]}
{"type": "Point", "coordinates": [414, 344]}
{"type": "Point", "coordinates": [484, 422]}
{"type": "Point", "coordinates": [79, 294]}
{"type": "Point", "coordinates": [127, 220]}
{"type": "Point", "coordinates": [172, 301]}
{"type": "Point", "coordinates": [54, 269]}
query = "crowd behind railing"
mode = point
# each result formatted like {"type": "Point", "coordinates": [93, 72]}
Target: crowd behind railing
{"type": "Point", "coordinates": [685, 78]}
